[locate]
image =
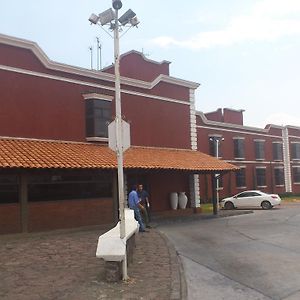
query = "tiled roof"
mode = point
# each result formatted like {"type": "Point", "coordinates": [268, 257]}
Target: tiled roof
{"type": "Point", "coordinates": [176, 159]}
{"type": "Point", "coordinates": [40, 154]}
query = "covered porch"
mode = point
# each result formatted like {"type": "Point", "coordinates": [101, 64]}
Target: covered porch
{"type": "Point", "coordinates": [46, 185]}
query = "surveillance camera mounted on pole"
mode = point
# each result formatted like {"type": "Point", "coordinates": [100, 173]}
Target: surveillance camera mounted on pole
{"type": "Point", "coordinates": [117, 4]}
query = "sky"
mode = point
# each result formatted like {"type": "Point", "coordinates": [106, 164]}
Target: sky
{"type": "Point", "coordinates": [245, 54]}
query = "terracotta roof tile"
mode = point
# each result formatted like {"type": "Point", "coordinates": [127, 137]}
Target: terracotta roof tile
{"type": "Point", "coordinates": [174, 159]}
{"type": "Point", "coordinates": [40, 154]}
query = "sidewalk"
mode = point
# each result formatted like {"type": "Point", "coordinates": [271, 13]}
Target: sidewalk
{"type": "Point", "coordinates": [62, 265]}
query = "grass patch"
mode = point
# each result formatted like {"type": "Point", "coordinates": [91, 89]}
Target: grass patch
{"type": "Point", "coordinates": [207, 208]}
{"type": "Point", "coordinates": [291, 198]}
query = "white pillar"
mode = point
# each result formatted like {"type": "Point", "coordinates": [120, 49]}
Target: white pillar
{"type": "Point", "coordinates": [193, 128]}
{"type": "Point", "coordinates": [194, 191]}
{"type": "Point", "coordinates": [286, 160]}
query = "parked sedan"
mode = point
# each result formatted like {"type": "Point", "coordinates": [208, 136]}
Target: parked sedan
{"type": "Point", "coordinates": [251, 199]}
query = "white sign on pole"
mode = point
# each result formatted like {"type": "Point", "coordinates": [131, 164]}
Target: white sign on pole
{"type": "Point", "coordinates": [112, 140]}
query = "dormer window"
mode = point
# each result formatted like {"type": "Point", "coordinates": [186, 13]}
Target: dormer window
{"type": "Point", "coordinates": [98, 114]}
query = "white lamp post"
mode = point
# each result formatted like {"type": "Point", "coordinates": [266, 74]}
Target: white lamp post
{"type": "Point", "coordinates": [217, 140]}
{"type": "Point", "coordinates": [111, 17]}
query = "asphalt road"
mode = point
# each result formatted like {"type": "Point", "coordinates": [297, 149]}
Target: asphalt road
{"type": "Point", "coordinates": [254, 256]}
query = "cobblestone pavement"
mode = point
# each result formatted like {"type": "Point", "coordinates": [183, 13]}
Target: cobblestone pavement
{"type": "Point", "coordinates": [63, 265]}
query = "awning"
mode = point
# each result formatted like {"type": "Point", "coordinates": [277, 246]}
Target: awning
{"type": "Point", "coordinates": [41, 154]}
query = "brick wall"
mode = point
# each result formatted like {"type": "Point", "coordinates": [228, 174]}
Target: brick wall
{"type": "Point", "coordinates": [10, 221]}
{"type": "Point", "coordinates": [69, 214]}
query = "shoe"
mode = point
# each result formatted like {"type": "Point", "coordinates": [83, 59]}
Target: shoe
{"type": "Point", "coordinates": [144, 231]}
{"type": "Point", "coordinates": [148, 226]}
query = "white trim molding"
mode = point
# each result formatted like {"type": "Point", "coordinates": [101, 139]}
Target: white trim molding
{"type": "Point", "coordinates": [286, 160]}
{"type": "Point", "coordinates": [193, 128]}
{"type": "Point", "coordinates": [96, 96]}
{"type": "Point", "coordinates": [97, 139]}
{"type": "Point", "coordinates": [90, 84]}
{"type": "Point", "coordinates": [264, 131]}
{"type": "Point", "coordinates": [49, 64]}
{"type": "Point", "coordinates": [195, 191]}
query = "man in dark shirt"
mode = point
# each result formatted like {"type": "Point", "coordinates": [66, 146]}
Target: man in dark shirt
{"type": "Point", "coordinates": [144, 198]}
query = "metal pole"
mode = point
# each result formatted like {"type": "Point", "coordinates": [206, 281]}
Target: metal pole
{"type": "Point", "coordinates": [97, 53]}
{"type": "Point", "coordinates": [217, 182]}
{"type": "Point", "coordinates": [119, 141]}
{"type": "Point", "coordinates": [214, 200]}
{"type": "Point", "coordinates": [100, 50]}
{"type": "Point", "coordinates": [91, 50]}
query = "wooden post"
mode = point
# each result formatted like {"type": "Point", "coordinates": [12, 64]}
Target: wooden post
{"type": "Point", "coordinates": [23, 198]}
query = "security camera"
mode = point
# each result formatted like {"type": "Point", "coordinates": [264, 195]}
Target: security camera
{"type": "Point", "coordinates": [117, 4]}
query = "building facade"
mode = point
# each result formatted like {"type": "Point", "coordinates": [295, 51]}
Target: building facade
{"type": "Point", "coordinates": [268, 158]}
{"type": "Point", "coordinates": [56, 170]}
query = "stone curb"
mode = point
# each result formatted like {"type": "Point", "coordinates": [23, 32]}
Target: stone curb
{"type": "Point", "coordinates": [178, 282]}
{"type": "Point", "coordinates": [196, 217]}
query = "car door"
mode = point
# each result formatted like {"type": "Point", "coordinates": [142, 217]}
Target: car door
{"type": "Point", "coordinates": [256, 199]}
{"type": "Point", "coordinates": [242, 199]}
{"type": "Point", "coordinates": [250, 199]}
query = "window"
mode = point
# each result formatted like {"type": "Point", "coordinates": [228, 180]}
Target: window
{"type": "Point", "coordinates": [295, 150]}
{"type": "Point", "coordinates": [98, 116]}
{"type": "Point", "coordinates": [296, 174]}
{"type": "Point", "coordinates": [279, 176]}
{"type": "Point", "coordinates": [64, 185]}
{"type": "Point", "coordinates": [239, 148]}
{"type": "Point", "coordinates": [260, 176]}
{"type": "Point", "coordinates": [248, 194]}
{"type": "Point", "coordinates": [259, 149]}
{"type": "Point", "coordinates": [241, 177]}
{"type": "Point", "coordinates": [277, 151]}
{"type": "Point", "coordinates": [9, 189]}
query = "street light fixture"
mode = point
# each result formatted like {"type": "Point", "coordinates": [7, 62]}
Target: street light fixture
{"type": "Point", "coordinates": [217, 140]}
{"type": "Point", "coordinates": [110, 17]}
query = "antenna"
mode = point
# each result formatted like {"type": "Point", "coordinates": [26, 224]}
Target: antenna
{"type": "Point", "coordinates": [91, 50]}
{"type": "Point", "coordinates": [145, 54]}
{"type": "Point", "coordinates": [99, 54]}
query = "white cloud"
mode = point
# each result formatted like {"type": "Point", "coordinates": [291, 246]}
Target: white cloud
{"type": "Point", "coordinates": [268, 21]}
{"type": "Point", "coordinates": [282, 119]}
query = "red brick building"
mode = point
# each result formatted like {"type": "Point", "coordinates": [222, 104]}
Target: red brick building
{"type": "Point", "coordinates": [269, 158]}
{"type": "Point", "coordinates": [56, 170]}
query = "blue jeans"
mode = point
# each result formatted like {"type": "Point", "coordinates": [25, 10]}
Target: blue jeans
{"type": "Point", "coordinates": [138, 217]}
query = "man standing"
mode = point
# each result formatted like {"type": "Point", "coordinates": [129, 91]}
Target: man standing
{"type": "Point", "coordinates": [134, 203]}
{"type": "Point", "coordinates": [144, 198]}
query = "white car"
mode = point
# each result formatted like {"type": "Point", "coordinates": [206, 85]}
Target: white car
{"type": "Point", "coordinates": [251, 199]}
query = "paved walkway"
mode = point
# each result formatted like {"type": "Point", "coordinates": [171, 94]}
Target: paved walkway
{"type": "Point", "coordinates": [62, 265]}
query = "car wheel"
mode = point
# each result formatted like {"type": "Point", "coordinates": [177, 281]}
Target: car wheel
{"type": "Point", "coordinates": [266, 205]}
{"type": "Point", "coordinates": [229, 205]}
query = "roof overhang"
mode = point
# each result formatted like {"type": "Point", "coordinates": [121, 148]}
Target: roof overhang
{"type": "Point", "coordinates": [41, 154]}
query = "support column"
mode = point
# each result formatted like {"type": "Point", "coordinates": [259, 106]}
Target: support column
{"type": "Point", "coordinates": [286, 160]}
{"type": "Point", "coordinates": [23, 198]}
{"type": "Point", "coordinates": [195, 193]}
{"type": "Point", "coordinates": [193, 120]}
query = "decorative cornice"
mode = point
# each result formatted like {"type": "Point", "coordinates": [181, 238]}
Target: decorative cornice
{"type": "Point", "coordinates": [236, 126]}
{"type": "Point", "coordinates": [142, 55]}
{"type": "Point", "coordinates": [90, 84]}
{"type": "Point", "coordinates": [55, 66]}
